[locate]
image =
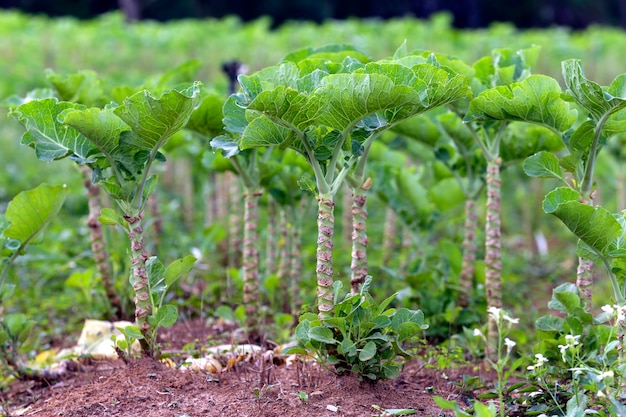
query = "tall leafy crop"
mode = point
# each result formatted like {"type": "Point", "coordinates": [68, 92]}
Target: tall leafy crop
{"type": "Point", "coordinates": [600, 232]}
{"type": "Point", "coordinates": [330, 106]}
{"type": "Point", "coordinates": [120, 143]}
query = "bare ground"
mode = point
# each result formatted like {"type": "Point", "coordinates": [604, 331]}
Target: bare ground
{"type": "Point", "coordinates": [253, 387]}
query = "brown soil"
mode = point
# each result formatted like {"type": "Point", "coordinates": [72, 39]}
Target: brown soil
{"type": "Point", "coordinates": [252, 388]}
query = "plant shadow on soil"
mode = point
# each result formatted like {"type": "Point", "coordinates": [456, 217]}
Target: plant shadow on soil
{"type": "Point", "coordinates": [148, 388]}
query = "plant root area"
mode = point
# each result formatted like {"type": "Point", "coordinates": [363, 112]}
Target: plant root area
{"type": "Point", "coordinates": [251, 387]}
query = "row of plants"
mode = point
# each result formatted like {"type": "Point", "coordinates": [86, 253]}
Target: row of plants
{"type": "Point", "coordinates": [131, 53]}
{"type": "Point", "coordinates": [306, 128]}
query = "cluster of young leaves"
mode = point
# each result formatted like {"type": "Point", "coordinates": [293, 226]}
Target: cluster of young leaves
{"type": "Point", "coordinates": [361, 336]}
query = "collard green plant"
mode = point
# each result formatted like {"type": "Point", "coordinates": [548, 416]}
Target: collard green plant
{"type": "Point", "coordinates": [331, 112]}
{"type": "Point", "coordinates": [361, 337]}
{"type": "Point", "coordinates": [606, 117]}
{"type": "Point", "coordinates": [510, 94]}
{"type": "Point", "coordinates": [120, 143]}
{"type": "Point", "coordinates": [253, 170]}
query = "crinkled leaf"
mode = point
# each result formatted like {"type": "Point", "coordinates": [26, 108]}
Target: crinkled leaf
{"type": "Point", "coordinates": [351, 97]}
{"type": "Point", "coordinates": [595, 226]}
{"type": "Point", "coordinates": [263, 132]}
{"type": "Point", "coordinates": [31, 211]}
{"type": "Point", "coordinates": [102, 127]}
{"type": "Point", "coordinates": [288, 106]}
{"type": "Point", "coordinates": [227, 145]}
{"type": "Point", "coordinates": [536, 99]}
{"type": "Point", "coordinates": [47, 135]}
{"type": "Point", "coordinates": [153, 120]}
{"type": "Point", "coordinates": [83, 87]}
{"type": "Point", "coordinates": [543, 164]}
{"type": "Point", "coordinates": [590, 95]}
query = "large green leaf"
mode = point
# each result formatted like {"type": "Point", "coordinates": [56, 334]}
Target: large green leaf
{"type": "Point", "coordinates": [264, 132]}
{"type": "Point", "coordinates": [288, 106]}
{"type": "Point", "coordinates": [351, 97]}
{"type": "Point", "coordinates": [31, 211]}
{"type": "Point", "coordinates": [101, 126]}
{"type": "Point", "coordinates": [178, 268]}
{"type": "Point", "coordinates": [154, 120]}
{"type": "Point", "coordinates": [598, 101]}
{"type": "Point", "coordinates": [83, 87]}
{"type": "Point", "coordinates": [536, 99]}
{"type": "Point", "coordinates": [543, 164]}
{"type": "Point", "coordinates": [50, 139]}
{"type": "Point", "coordinates": [441, 88]}
{"type": "Point", "coordinates": [207, 118]}
{"type": "Point", "coordinates": [595, 226]}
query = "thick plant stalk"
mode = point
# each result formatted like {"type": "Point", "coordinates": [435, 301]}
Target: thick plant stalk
{"type": "Point", "coordinates": [271, 256]}
{"type": "Point", "coordinates": [584, 282]}
{"type": "Point", "coordinates": [284, 272]}
{"type": "Point", "coordinates": [157, 221]}
{"type": "Point", "coordinates": [469, 252]}
{"type": "Point", "coordinates": [234, 222]}
{"type": "Point", "coordinates": [139, 279]}
{"type": "Point", "coordinates": [389, 235]}
{"type": "Point", "coordinates": [295, 267]}
{"type": "Point", "coordinates": [251, 265]}
{"type": "Point", "coordinates": [185, 186]}
{"type": "Point", "coordinates": [346, 218]}
{"type": "Point", "coordinates": [493, 254]}
{"type": "Point", "coordinates": [324, 268]}
{"type": "Point", "coordinates": [358, 266]}
{"type": "Point", "coordinates": [100, 254]}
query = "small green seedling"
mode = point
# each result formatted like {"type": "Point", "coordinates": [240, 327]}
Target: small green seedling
{"type": "Point", "coordinates": [302, 396]}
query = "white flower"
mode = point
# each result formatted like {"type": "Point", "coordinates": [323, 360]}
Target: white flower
{"type": "Point", "coordinates": [510, 319]}
{"type": "Point", "coordinates": [494, 312]}
{"type": "Point", "coordinates": [621, 315]}
{"type": "Point", "coordinates": [563, 349]}
{"type": "Point", "coordinates": [509, 344]}
{"type": "Point", "coordinates": [572, 340]}
{"type": "Point", "coordinates": [540, 361]}
{"type": "Point", "coordinates": [607, 374]}
{"type": "Point", "coordinates": [477, 333]}
{"type": "Point", "coordinates": [608, 309]}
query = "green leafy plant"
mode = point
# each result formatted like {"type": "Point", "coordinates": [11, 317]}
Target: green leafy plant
{"type": "Point", "coordinates": [361, 337]}
{"type": "Point", "coordinates": [25, 219]}
{"type": "Point", "coordinates": [124, 346]}
{"type": "Point", "coordinates": [120, 143]}
{"type": "Point", "coordinates": [605, 108]}
{"type": "Point", "coordinates": [579, 364]}
{"type": "Point", "coordinates": [505, 363]}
